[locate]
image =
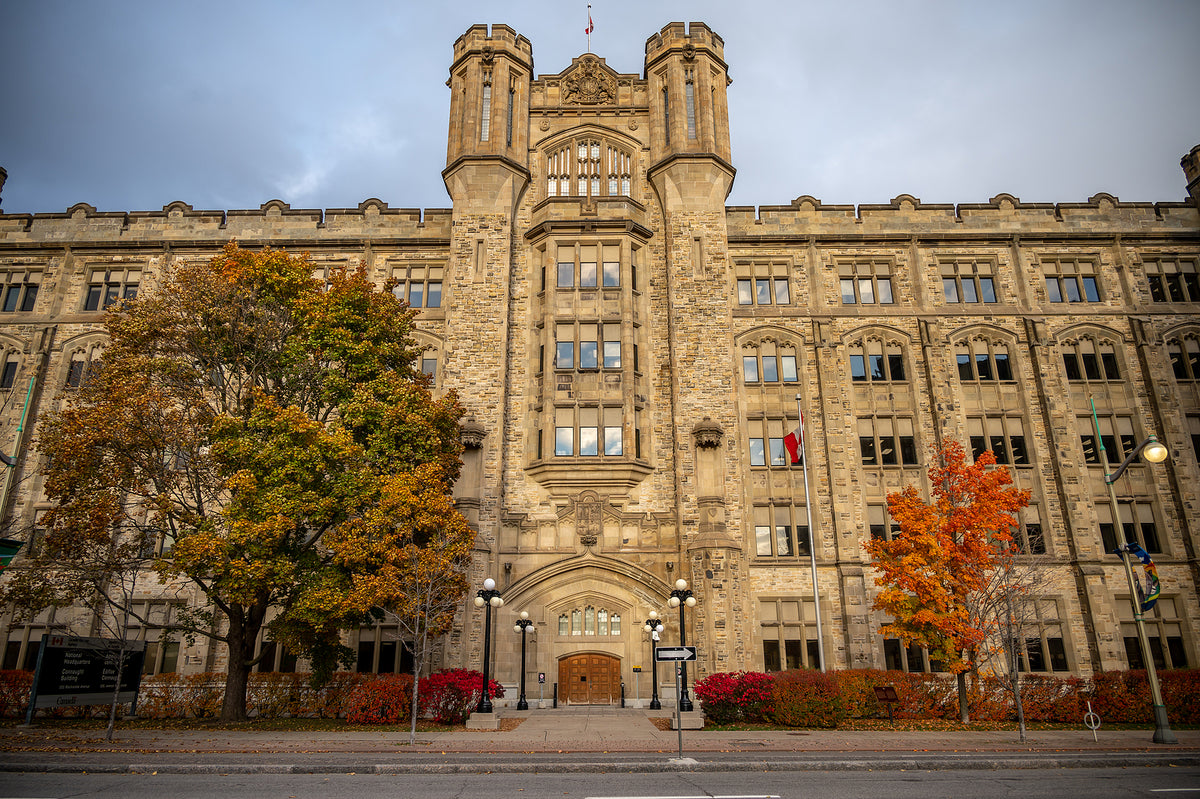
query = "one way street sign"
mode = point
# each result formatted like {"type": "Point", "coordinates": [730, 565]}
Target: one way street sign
{"type": "Point", "coordinates": [664, 653]}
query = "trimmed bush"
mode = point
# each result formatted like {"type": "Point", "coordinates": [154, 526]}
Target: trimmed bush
{"type": "Point", "coordinates": [384, 700]}
{"type": "Point", "coordinates": [802, 698]}
{"type": "Point", "coordinates": [15, 686]}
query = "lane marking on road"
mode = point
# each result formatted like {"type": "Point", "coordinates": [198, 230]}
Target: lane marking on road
{"type": "Point", "coordinates": [737, 796]}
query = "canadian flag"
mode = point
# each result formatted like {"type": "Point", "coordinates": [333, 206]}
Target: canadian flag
{"type": "Point", "coordinates": [590, 26]}
{"type": "Point", "coordinates": [794, 442]}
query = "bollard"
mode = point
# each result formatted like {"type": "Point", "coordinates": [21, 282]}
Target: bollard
{"type": "Point", "coordinates": [622, 694]}
{"type": "Point", "coordinates": [555, 695]}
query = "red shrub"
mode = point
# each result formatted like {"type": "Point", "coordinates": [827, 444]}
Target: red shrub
{"type": "Point", "coordinates": [387, 699]}
{"type": "Point", "coordinates": [727, 697]}
{"type": "Point", "coordinates": [449, 696]}
{"type": "Point", "coordinates": [1121, 697]}
{"type": "Point", "coordinates": [1057, 699]}
{"type": "Point", "coordinates": [1181, 695]}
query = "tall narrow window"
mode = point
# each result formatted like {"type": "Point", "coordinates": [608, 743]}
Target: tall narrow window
{"type": "Point", "coordinates": [486, 117]}
{"type": "Point", "coordinates": [667, 114]}
{"type": "Point", "coordinates": [690, 99]}
{"type": "Point", "coordinates": [511, 98]}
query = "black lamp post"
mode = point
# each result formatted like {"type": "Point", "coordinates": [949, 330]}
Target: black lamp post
{"type": "Point", "coordinates": [523, 624]}
{"type": "Point", "coordinates": [1154, 452]}
{"type": "Point", "coordinates": [487, 597]}
{"type": "Point", "coordinates": [654, 626]}
{"type": "Point", "coordinates": [681, 597]}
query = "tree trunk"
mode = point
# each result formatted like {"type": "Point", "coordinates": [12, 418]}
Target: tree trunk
{"type": "Point", "coordinates": [243, 634]}
{"type": "Point", "coordinates": [964, 706]}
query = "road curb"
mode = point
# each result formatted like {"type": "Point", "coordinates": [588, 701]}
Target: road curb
{"type": "Point", "coordinates": [938, 762]}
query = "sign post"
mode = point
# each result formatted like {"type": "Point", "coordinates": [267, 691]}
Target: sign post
{"type": "Point", "coordinates": [677, 655]}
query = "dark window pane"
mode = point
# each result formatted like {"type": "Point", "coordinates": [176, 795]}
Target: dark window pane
{"type": "Point", "coordinates": [895, 366]}
{"type": "Point", "coordinates": [978, 446]}
{"type": "Point", "coordinates": [1133, 653]}
{"type": "Point", "coordinates": [866, 447]}
{"type": "Point", "coordinates": [1176, 651]}
{"type": "Point", "coordinates": [1157, 292]}
{"type": "Point", "coordinates": [1034, 540]}
{"type": "Point", "coordinates": [1071, 289]}
{"type": "Point", "coordinates": [983, 365]}
{"type": "Point", "coordinates": [1019, 456]}
{"type": "Point", "coordinates": [1191, 281]}
{"type": "Point", "coordinates": [1091, 366]}
{"type": "Point", "coordinates": [1090, 290]}
{"type": "Point", "coordinates": [876, 363]}
{"type": "Point", "coordinates": [1071, 366]}
{"type": "Point", "coordinates": [1033, 648]}
{"type": "Point", "coordinates": [1058, 654]}
{"type": "Point", "coordinates": [1108, 536]}
{"type": "Point", "coordinates": [908, 450]}
{"type": "Point", "coordinates": [887, 451]}
{"type": "Point", "coordinates": [9, 376]}
{"type": "Point", "coordinates": [1090, 453]}
{"type": "Point", "coordinates": [92, 303]}
{"type": "Point", "coordinates": [999, 449]}
{"type": "Point", "coordinates": [1150, 537]}
{"type": "Point", "coordinates": [770, 656]}
{"type": "Point", "coordinates": [1109, 361]}
{"type": "Point", "coordinates": [1003, 369]}
{"type": "Point", "coordinates": [11, 297]}
{"type": "Point", "coordinates": [792, 652]}
{"type": "Point", "coordinates": [891, 655]}
{"type": "Point", "coordinates": [964, 367]}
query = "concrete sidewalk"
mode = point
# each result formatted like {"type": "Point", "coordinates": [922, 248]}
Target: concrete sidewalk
{"type": "Point", "coordinates": [577, 739]}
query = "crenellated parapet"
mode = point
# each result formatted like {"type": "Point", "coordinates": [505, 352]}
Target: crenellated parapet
{"type": "Point", "coordinates": [273, 222]}
{"type": "Point", "coordinates": [1004, 215]}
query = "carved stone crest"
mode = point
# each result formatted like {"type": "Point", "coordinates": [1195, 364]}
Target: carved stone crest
{"type": "Point", "coordinates": [589, 84]}
{"type": "Point", "coordinates": [588, 520]}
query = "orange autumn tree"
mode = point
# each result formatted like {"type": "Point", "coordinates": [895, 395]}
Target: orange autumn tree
{"type": "Point", "coordinates": [245, 413]}
{"type": "Point", "coordinates": [933, 570]}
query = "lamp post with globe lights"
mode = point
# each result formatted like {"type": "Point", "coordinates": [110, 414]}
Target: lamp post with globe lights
{"type": "Point", "coordinates": [682, 597]}
{"type": "Point", "coordinates": [523, 624]}
{"type": "Point", "coordinates": [487, 597]}
{"type": "Point", "coordinates": [654, 626]}
{"type": "Point", "coordinates": [1154, 452]}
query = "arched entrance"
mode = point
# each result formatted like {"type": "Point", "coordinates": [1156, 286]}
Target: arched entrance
{"type": "Point", "coordinates": [589, 679]}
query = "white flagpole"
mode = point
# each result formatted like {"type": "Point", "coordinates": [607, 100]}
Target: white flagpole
{"type": "Point", "coordinates": [812, 550]}
{"type": "Point", "coordinates": [589, 28]}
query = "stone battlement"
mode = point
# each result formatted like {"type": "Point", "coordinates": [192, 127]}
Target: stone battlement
{"type": "Point", "coordinates": [501, 37]}
{"type": "Point", "coordinates": [178, 221]}
{"type": "Point", "coordinates": [907, 215]}
{"type": "Point", "coordinates": [677, 34]}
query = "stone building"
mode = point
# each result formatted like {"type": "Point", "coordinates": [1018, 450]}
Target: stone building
{"type": "Point", "coordinates": [632, 354]}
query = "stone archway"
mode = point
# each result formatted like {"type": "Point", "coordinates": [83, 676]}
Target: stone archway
{"type": "Point", "coordinates": [589, 679]}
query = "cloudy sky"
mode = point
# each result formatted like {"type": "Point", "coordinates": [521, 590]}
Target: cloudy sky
{"type": "Point", "coordinates": [130, 105]}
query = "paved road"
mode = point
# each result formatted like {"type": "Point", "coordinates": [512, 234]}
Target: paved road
{"type": "Point", "coordinates": [964, 784]}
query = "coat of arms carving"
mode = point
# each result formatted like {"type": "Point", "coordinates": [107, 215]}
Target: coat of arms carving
{"type": "Point", "coordinates": [589, 84]}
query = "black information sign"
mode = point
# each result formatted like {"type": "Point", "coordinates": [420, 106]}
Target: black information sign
{"type": "Point", "coordinates": [83, 671]}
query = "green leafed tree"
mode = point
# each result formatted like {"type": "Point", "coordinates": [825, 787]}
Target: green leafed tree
{"type": "Point", "coordinates": [935, 571]}
{"type": "Point", "coordinates": [246, 413]}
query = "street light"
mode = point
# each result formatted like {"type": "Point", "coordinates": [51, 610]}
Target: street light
{"type": "Point", "coordinates": [1154, 452]}
{"type": "Point", "coordinates": [680, 597]}
{"type": "Point", "coordinates": [523, 624]}
{"type": "Point", "coordinates": [487, 597]}
{"type": "Point", "coordinates": [654, 626]}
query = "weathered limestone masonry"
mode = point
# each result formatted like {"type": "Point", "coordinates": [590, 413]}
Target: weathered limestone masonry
{"type": "Point", "coordinates": [630, 352]}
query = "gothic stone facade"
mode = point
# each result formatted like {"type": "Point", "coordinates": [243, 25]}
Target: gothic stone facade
{"type": "Point", "coordinates": [632, 353]}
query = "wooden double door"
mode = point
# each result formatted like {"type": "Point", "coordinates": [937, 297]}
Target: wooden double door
{"type": "Point", "coordinates": [589, 679]}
